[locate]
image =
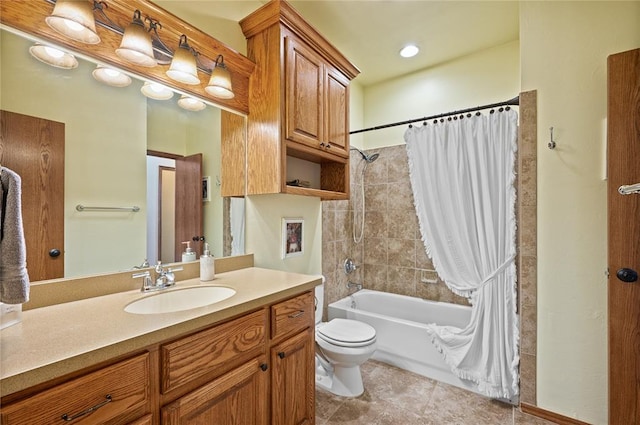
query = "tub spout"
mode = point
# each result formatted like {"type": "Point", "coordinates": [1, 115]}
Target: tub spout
{"type": "Point", "coordinates": [358, 286]}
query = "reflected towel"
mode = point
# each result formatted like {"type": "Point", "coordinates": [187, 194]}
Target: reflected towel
{"type": "Point", "coordinates": [14, 278]}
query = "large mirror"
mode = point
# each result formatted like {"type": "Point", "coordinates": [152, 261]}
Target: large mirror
{"type": "Point", "coordinates": [108, 133]}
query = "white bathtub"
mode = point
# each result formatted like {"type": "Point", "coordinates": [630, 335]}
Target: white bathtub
{"type": "Point", "coordinates": [400, 321]}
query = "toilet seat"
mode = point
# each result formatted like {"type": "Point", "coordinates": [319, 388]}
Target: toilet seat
{"type": "Point", "coordinates": [347, 333]}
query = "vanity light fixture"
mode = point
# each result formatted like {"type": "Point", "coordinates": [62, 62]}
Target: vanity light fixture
{"type": "Point", "coordinates": [156, 91]}
{"type": "Point", "coordinates": [53, 56]}
{"type": "Point", "coordinates": [136, 46]}
{"type": "Point", "coordinates": [220, 82]}
{"type": "Point", "coordinates": [111, 77]}
{"type": "Point", "coordinates": [191, 103]}
{"type": "Point", "coordinates": [183, 65]}
{"type": "Point", "coordinates": [74, 19]}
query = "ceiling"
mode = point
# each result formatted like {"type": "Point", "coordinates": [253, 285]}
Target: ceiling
{"type": "Point", "coordinates": [371, 33]}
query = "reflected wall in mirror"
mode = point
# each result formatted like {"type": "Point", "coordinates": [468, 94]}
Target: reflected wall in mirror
{"type": "Point", "coordinates": [107, 133]}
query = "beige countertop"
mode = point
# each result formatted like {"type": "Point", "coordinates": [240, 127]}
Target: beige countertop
{"type": "Point", "coordinates": [59, 339]}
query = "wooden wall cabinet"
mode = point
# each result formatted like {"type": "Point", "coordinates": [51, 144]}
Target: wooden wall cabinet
{"type": "Point", "coordinates": [299, 105]}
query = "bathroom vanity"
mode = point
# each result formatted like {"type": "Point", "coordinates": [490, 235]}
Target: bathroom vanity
{"type": "Point", "coordinates": [248, 359]}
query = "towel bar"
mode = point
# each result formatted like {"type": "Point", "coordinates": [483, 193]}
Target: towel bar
{"type": "Point", "coordinates": [81, 208]}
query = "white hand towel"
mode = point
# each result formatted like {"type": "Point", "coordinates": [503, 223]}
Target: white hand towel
{"type": "Point", "coordinates": [14, 278]}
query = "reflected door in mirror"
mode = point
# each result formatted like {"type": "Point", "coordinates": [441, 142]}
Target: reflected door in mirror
{"type": "Point", "coordinates": [34, 149]}
{"type": "Point", "coordinates": [188, 211]}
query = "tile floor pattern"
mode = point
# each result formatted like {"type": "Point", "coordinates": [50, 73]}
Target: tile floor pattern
{"type": "Point", "coordinates": [396, 397]}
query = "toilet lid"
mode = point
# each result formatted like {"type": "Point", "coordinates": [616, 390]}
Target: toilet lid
{"type": "Point", "coordinates": [347, 333]}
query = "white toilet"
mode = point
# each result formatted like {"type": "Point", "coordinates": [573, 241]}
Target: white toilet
{"type": "Point", "coordinates": [342, 345]}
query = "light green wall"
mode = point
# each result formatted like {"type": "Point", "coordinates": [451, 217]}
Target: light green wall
{"type": "Point", "coordinates": [104, 154]}
{"type": "Point", "coordinates": [485, 77]}
{"type": "Point", "coordinates": [564, 49]}
{"type": "Point", "coordinates": [264, 214]}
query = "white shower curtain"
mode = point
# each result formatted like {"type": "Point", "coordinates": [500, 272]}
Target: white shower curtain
{"type": "Point", "coordinates": [462, 177]}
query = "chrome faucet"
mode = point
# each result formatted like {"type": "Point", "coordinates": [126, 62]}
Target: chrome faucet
{"type": "Point", "coordinates": [144, 265]}
{"type": "Point", "coordinates": [358, 286]}
{"type": "Point", "coordinates": [165, 278]}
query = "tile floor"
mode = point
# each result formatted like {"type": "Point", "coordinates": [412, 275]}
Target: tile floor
{"type": "Point", "coordinates": [396, 397]}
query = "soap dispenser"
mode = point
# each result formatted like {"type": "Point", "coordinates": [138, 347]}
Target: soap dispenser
{"type": "Point", "coordinates": [188, 254]}
{"type": "Point", "coordinates": [207, 265]}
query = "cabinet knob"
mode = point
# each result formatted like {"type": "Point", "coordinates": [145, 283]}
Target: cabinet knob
{"type": "Point", "coordinates": [264, 366]}
{"type": "Point", "coordinates": [281, 354]}
{"type": "Point", "coordinates": [322, 144]}
{"type": "Point", "coordinates": [328, 145]}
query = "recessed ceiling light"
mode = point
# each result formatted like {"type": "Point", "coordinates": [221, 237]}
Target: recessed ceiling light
{"type": "Point", "coordinates": [409, 51]}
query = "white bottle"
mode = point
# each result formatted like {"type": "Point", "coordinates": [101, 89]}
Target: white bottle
{"type": "Point", "coordinates": [188, 254]}
{"type": "Point", "coordinates": [207, 265]}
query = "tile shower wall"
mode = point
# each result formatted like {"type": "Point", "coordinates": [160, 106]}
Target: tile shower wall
{"type": "Point", "coordinates": [391, 256]}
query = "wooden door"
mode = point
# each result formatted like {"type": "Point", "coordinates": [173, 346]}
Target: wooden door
{"type": "Point", "coordinates": [188, 212]}
{"type": "Point", "coordinates": [293, 381]}
{"type": "Point", "coordinates": [237, 397]}
{"type": "Point", "coordinates": [623, 157]}
{"type": "Point", "coordinates": [34, 148]}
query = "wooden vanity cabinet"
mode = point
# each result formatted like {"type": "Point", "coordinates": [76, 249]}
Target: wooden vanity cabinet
{"type": "Point", "coordinates": [278, 389]}
{"type": "Point", "coordinates": [293, 361]}
{"type": "Point", "coordinates": [299, 103]}
{"type": "Point", "coordinates": [255, 369]}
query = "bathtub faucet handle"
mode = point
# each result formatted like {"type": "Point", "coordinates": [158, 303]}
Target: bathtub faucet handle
{"type": "Point", "coordinates": [349, 266]}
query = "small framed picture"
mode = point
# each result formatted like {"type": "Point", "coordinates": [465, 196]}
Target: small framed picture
{"type": "Point", "coordinates": [292, 237]}
{"type": "Point", "coordinates": [206, 189]}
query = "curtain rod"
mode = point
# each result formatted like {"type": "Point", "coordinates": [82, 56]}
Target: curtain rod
{"type": "Point", "coordinates": [513, 102]}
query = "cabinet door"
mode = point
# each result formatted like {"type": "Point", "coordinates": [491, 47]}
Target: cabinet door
{"type": "Point", "coordinates": [337, 112]}
{"type": "Point", "coordinates": [293, 384]}
{"type": "Point", "coordinates": [236, 398]}
{"type": "Point", "coordinates": [304, 91]}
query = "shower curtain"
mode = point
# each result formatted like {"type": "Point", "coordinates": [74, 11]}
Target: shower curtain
{"type": "Point", "coordinates": [462, 176]}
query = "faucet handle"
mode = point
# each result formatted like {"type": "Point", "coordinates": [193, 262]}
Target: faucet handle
{"type": "Point", "coordinates": [159, 269]}
{"type": "Point", "coordinates": [349, 266]}
{"type": "Point", "coordinates": [146, 280]}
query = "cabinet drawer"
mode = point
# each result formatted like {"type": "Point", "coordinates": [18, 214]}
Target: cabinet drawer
{"type": "Point", "coordinates": [292, 315]}
{"type": "Point", "coordinates": [116, 394]}
{"type": "Point", "coordinates": [204, 352]}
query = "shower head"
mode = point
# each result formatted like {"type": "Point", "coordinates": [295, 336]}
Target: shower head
{"type": "Point", "coordinates": [368, 158]}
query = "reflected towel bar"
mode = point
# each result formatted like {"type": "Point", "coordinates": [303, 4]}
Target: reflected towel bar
{"type": "Point", "coordinates": [81, 208]}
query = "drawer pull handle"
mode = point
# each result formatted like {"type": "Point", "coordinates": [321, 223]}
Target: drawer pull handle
{"type": "Point", "coordinates": [68, 418]}
{"type": "Point", "coordinates": [281, 354]}
{"type": "Point", "coordinates": [296, 314]}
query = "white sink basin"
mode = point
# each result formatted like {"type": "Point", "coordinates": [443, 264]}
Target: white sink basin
{"type": "Point", "coordinates": [179, 300]}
